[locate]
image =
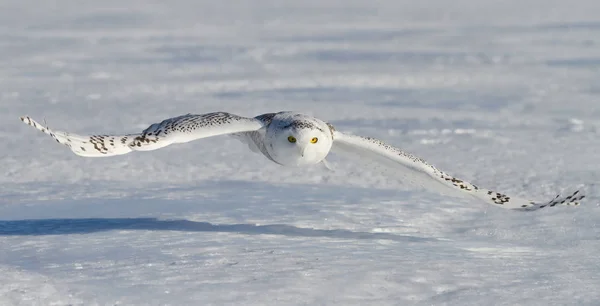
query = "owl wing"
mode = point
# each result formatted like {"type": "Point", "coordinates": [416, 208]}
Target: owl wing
{"type": "Point", "coordinates": [408, 166]}
{"type": "Point", "coordinates": [169, 131]}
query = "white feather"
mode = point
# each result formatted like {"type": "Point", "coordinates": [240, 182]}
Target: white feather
{"type": "Point", "coordinates": [170, 131]}
{"type": "Point", "coordinates": [410, 166]}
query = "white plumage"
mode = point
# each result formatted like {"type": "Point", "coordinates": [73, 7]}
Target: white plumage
{"type": "Point", "coordinates": [288, 139]}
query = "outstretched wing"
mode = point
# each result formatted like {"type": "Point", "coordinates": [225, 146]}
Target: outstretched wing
{"type": "Point", "coordinates": [381, 151]}
{"type": "Point", "coordinates": [173, 130]}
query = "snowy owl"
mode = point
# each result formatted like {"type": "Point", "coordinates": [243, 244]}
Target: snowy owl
{"type": "Point", "coordinates": [288, 139]}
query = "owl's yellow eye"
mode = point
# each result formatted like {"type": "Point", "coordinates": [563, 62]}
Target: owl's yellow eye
{"type": "Point", "coordinates": [314, 140]}
{"type": "Point", "coordinates": [292, 139]}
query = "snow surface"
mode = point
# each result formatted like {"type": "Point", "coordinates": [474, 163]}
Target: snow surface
{"type": "Point", "coordinates": [502, 93]}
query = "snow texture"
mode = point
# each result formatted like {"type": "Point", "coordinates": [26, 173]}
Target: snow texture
{"type": "Point", "coordinates": [501, 93]}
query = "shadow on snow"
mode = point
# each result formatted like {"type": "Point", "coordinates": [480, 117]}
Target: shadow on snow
{"type": "Point", "coordinates": [40, 227]}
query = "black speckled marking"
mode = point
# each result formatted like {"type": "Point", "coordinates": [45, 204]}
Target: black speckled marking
{"type": "Point", "coordinates": [266, 118]}
{"type": "Point", "coordinates": [98, 142]}
{"type": "Point", "coordinates": [331, 128]}
{"type": "Point", "coordinates": [185, 124]}
{"type": "Point", "coordinates": [571, 200]}
{"type": "Point", "coordinates": [82, 145]}
{"type": "Point", "coordinates": [29, 121]}
{"type": "Point", "coordinates": [303, 124]}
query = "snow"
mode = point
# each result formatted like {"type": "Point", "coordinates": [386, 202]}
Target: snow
{"type": "Point", "coordinates": [503, 94]}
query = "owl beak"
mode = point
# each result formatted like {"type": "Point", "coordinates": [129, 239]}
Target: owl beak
{"type": "Point", "coordinates": [302, 150]}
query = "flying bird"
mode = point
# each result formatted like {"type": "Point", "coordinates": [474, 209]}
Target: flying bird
{"type": "Point", "coordinates": [288, 139]}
